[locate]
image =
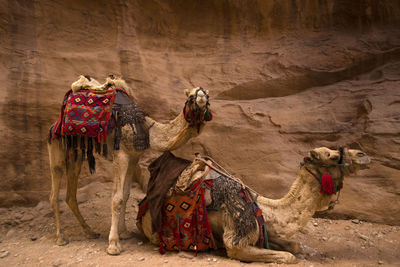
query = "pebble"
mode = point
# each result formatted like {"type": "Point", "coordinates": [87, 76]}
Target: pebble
{"type": "Point", "coordinates": [209, 259]}
{"type": "Point", "coordinates": [27, 217]}
{"type": "Point", "coordinates": [324, 238]}
{"type": "Point", "coordinates": [10, 233]}
{"type": "Point", "coordinates": [140, 243]}
{"type": "Point", "coordinates": [141, 259]}
{"type": "Point", "coordinates": [33, 238]}
{"type": "Point", "coordinates": [315, 224]}
{"type": "Point", "coordinates": [363, 237]}
{"type": "Point", "coordinates": [380, 262]}
{"type": "Point", "coordinates": [185, 255]}
{"type": "Point", "coordinates": [165, 261]}
{"type": "Point", "coordinates": [356, 221]}
{"type": "Point", "coordinates": [4, 254]}
{"type": "Point", "coordinates": [347, 228]}
{"type": "Point", "coordinates": [304, 231]}
{"type": "Point", "coordinates": [58, 262]}
{"type": "Point", "coordinates": [214, 260]}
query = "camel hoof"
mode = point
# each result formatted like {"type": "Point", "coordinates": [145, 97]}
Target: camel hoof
{"type": "Point", "coordinates": [114, 248]}
{"type": "Point", "coordinates": [291, 259]}
{"type": "Point", "coordinates": [61, 241]}
{"type": "Point", "coordinates": [126, 235]}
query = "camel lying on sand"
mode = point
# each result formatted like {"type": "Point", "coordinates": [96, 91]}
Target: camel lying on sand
{"type": "Point", "coordinates": [162, 137]}
{"type": "Point", "coordinates": [284, 217]}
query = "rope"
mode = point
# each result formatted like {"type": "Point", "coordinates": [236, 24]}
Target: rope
{"type": "Point", "coordinates": [218, 168]}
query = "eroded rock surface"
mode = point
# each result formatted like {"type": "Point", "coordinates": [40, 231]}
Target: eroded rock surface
{"type": "Point", "coordinates": [284, 77]}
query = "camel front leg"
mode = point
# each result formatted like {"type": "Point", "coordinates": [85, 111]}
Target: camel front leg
{"type": "Point", "coordinates": [252, 254]}
{"type": "Point", "coordinates": [73, 171]}
{"type": "Point", "coordinates": [286, 245]}
{"type": "Point", "coordinates": [120, 166]}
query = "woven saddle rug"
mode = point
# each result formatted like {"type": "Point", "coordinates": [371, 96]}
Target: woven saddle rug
{"type": "Point", "coordinates": [185, 224]}
{"type": "Point", "coordinates": [85, 113]}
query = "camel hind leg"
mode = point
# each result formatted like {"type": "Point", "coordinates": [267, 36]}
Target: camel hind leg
{"type": "Point", "coordinates": [57, 167]}
{"type": "Point", "coordinates": [73, 171]}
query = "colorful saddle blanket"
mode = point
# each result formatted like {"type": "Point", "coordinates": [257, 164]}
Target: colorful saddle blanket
{"type": "Point", "coordinates": [185, 224]}
{"type": "Point", "coordinates": [85, 113]}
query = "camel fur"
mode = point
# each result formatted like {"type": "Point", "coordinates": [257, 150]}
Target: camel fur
{"type": "Point", "coordinates": [168, 136]}
{"type": "Point", "coordinates": [284, 217]}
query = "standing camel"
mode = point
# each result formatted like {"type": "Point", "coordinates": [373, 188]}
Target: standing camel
{"type": "Point", "coordinates": [162, 137]}
{"type": "Point", "coordinates": [283, 217]}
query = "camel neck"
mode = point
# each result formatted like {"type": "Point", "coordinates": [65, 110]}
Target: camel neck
{"type": "Point", "coordinates": [288, 215]}
{"type": "Point", "coordinates": [170, 135]}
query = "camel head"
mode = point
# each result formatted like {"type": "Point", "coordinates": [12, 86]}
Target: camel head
{"type": "Point", "coordinates": [197, 97]}
{"type": "Point", "coordinates": [324, 156]}
{"type": "Point", "coordinates": [196, 109]}
{"type": "Point", "coordinates": [350, 160]}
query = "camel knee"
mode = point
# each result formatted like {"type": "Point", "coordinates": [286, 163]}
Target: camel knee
{"type": "Point", "coordinates": [70, 200]}
{"type": "Point", "coordinates": [117, 203]}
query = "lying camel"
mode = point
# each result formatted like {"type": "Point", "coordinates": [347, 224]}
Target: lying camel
{"type": "Point", "coordinates": [162, 137]}
{"type": "Point", "coordinates": [284, 217]}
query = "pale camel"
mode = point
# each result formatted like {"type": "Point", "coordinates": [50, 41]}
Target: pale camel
{"type": "Point", "coordinates": [163, 137]}
{"type": "Point", "coordinates": [284, 217]}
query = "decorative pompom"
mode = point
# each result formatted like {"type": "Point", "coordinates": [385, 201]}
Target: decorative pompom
{"type": "Point", "coordinates": [208, 116]}
{"type": "Point", "coordinates": [188, 115]}
{"type": "Point", "coordinates": [327, 186]}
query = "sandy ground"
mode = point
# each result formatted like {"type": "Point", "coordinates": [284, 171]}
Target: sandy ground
{"type": "Point", "coordinates": [27, 239]}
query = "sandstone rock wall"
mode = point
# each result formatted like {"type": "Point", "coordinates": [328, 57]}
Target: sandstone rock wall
{"type": "Point", "coordinates": [284, 77]}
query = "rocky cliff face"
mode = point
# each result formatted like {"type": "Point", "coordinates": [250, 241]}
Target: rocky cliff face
{"type": "Point", "coordinates": [284, 77]}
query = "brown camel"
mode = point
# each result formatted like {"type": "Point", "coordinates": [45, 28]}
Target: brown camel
{"type": "Point", "coordinates": [284, 217]}
{"type": "Point", "coordinates": [162, 137]}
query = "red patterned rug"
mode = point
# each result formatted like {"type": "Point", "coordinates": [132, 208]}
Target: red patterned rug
{"type": "Point", "coordinates": [85, 113]}
{"type": "Point", "coordinates": [185, 224]}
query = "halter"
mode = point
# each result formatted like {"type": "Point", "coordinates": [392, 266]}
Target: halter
{"type": "Point", "coordinates": [325, 179]}
{"type": "Point", "coordinates": [196, 116]}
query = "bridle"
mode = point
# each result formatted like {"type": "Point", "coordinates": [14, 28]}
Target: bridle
{"type": "Point", "coordinates": [192, 99]}
{"type": "Point", "coordinates": [194, 114]}
{"type": "Point", "coordinates": [343, 164]}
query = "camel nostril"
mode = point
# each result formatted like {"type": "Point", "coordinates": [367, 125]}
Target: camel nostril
{"type": "Point", "coordinates": [334, 158]}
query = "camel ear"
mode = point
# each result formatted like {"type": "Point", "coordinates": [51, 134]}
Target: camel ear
{"type": "Point", "coordinates": [314, 155]}
{"type": "Point", "coordinates": [187, 92]}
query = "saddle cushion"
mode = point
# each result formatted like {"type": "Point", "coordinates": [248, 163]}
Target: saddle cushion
{"type": "Point", "coordinates": [85, 113]}
{"type": "Point", "coordinates": [185, 224]}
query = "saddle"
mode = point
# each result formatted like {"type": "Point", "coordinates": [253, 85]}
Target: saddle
{"type": "Point", "coordinates": [199, 188]}
{"type": "Point", "coordinates": [90, 112]}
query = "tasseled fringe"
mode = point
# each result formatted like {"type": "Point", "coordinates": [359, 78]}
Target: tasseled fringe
{"type": "Point", "coordinates": [90, 157]}
{"type": "Point", "coordinates": [87, 145]}
{"type": "Point", "coordinates": [327, 186]}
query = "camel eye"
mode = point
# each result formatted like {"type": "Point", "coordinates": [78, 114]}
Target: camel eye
{"type": "Point", "coordinates": [360, 154]}
{"type": "Point", "coordinates": [328, 154]}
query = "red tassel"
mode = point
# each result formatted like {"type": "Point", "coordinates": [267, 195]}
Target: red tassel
{"type": "Point", "coordinates": [327, 186]}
